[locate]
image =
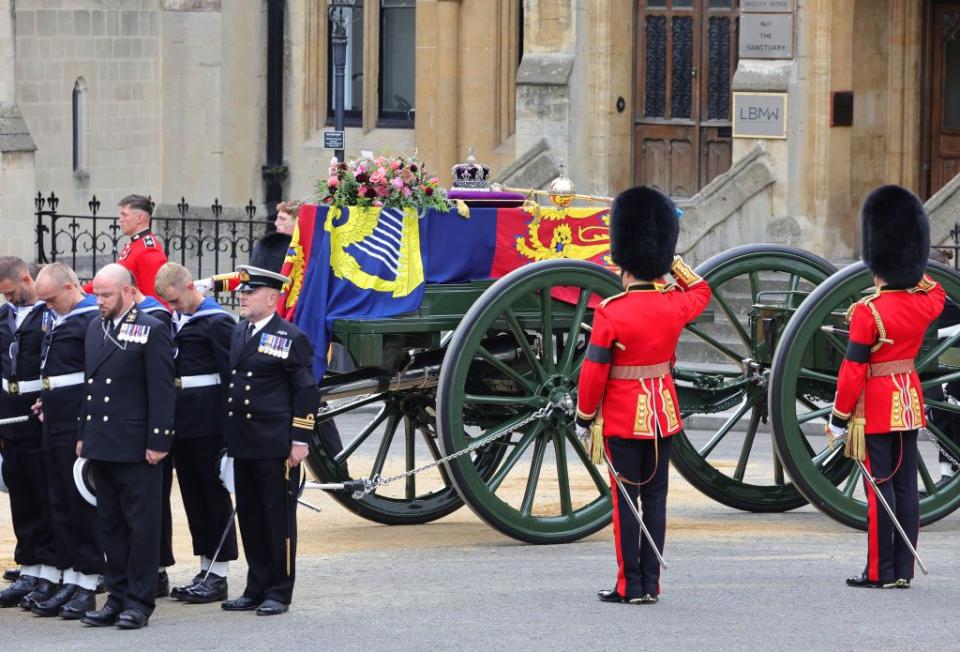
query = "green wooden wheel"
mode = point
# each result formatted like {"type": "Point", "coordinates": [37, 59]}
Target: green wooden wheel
{"type": "Point", "coordinates": [544, 490]}
{"type": "Point", "coordinates": [804, 379]}
{"type": "Point", "coordinates": [400, 435]}
{"type": "Point", "coordinates": [723, 396]}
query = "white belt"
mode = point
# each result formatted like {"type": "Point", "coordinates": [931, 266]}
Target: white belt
{"type": "Point", "coordinates": [64, 380]}
{"type": "Point", "coordinates": [201, 380]}
{"type": "Point", "coordinates": [15, 387]}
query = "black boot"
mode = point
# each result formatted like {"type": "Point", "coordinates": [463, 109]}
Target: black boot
{"type": "Point", "coordinates": [13, 594]}
{"type": "Point", "coordinates": [51, 607]}
{"type": "Point", "coordinates": [177, 592]}
{"type": "Point", "coordinates": [864, 582]}
{"type": "Point", "coordinates": [83, 600]}
{"type": "Point", "coordinates": [212, 589]}
{"type": "Point", "coordinates": [163, 584]}
{"type": "Point", "coordinates": [44, 590]}
{"type": "Point", "coordinates": [11, 574]}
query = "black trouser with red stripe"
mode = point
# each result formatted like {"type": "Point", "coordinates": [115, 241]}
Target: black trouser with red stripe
{"type": "Point", "coordinates": [647, 462]}
{"type": "Point", "coordinates": [892, 461]}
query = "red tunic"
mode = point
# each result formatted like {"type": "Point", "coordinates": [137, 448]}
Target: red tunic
{"type": "Point", "coordinates": [892, 402]}
{"type": "Point", "coordinates": [647, 320]}
{"type": "Point", "coordinates": [144, 257]}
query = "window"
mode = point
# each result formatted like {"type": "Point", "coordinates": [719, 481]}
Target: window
{"type": "Point", "coordinates": [397, 62]}
{"type": "Point", "coordinates": [79, 115]}
{"type": "Point", "coordinates": [353, 70]}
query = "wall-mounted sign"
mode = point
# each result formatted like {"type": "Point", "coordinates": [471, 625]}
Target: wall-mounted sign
{"type": "Point", "coordinates": [766, 36]}
{"type": "Point", "coordinates": [759, 115]}
{"type": "Point", "coordinates": [766, 6]}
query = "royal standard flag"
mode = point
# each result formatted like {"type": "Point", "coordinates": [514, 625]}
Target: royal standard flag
{"type": "Point", "coordinates": [363, 263]}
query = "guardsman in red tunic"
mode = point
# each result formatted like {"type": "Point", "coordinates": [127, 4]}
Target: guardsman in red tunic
{"type": "Point", "coordinates": [626, 384]}
{"type": "Point", "coordinates": [879, 398]}
{"type": "Point", "coordinates": [143, 255]}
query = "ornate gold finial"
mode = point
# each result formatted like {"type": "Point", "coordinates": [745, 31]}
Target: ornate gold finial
{"type": "Point", "coordinates": [561, 189]}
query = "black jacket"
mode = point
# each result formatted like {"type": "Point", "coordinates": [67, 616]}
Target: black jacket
{"type": "Point", "coordinates": [272, 396]}
{"type": "Point", "coordinates": [130, 392]}
{"type": "Point", "coordinates": [202, 346]}
{"type": "Point", "coordinates": [62, 354]}
{"type": "Point", "coordinates": [25, 342]}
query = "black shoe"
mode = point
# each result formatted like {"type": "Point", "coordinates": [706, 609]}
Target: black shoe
{"type": "Point", "coordinates": [44, 590]}
{"type": "Point", "coordinates": [13, 594]}
{"type": "Point", "coordinates": [104, 617]}
{"type": "Point", "coordinates": [83, 600]}
{"type": "Point", "coordinates": [212, 589]}
{"type": "Point", "coordinates": [163, 585]}
{"type": "Point", "coordinates": [11, 574]}
{"type": "Point", "coordinates": [177, 592]}
{"type": "Point", "coordinates": [272, 608]}
{"type": "Point", "coordinates": [51, 606]}
{"type": "Point", "coordinates": [243, 603]}
{"type": "Point", "coordinates": [864, 582]}
{"type": "Point", "coordinates": [610, 595]}
{"type": "Point", "coordinates": [132, 619]}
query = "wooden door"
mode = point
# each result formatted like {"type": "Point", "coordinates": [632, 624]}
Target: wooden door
{"type": "Point", "coordinates": [685, 54]}
{"type": "Point", "coordinates": [944, 146]}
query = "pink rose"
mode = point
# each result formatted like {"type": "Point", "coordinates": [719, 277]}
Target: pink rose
{"type": "Point", "coordinates": [406, 192]}
{"type": "Point", "coordinates": [333, 182]}
{"type": "Point", "coordinates": [382, 190]}
{"type": "Point", "coordinates": [396, 182]}
{"type": "Point", "coordinates": [434, 180]}
{"type": "Point", "coordinates": [378, 203]}
{"type": "Point", "coordinates": [361, 168]}
{"type": "Point", "coordinates": [394, 165]}
{"type": "Point", "coordinates": [378, 177]}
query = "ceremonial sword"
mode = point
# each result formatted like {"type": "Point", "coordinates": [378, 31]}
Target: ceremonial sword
{"type": "Point", "coordinates": [633, 508]}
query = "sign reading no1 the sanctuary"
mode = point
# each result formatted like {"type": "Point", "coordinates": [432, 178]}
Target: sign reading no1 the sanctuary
{"type": "Point", "coordinates": [759, 115]}
{"type": "Point", "coordinates": [766, 36]}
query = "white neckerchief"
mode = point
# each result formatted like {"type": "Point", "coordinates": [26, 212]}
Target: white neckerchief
{"type": "Point", "coordinates": [180, 320]}
{"type": "Point", "coordinates": [59, 319]}
{"type": "Point", "coordinates": [22, 312]}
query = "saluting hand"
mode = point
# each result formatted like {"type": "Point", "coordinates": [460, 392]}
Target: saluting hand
{"type": "Point", "coordinates": [297, 453]}
{"type": "Point", "coordinates": [155, 457]}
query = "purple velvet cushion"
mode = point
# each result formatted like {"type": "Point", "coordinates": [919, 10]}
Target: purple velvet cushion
{"type": "Point", "coordinates": [487, 198]}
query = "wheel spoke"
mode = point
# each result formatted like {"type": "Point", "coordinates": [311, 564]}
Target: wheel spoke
{"type": "Point", "coordinates": [725, 428]}
{"type": "Point", "coordinates": [521, 336]}
{"type": "Point", "coordinates": [393, 423]}
{"type": "Point", "coordinates": [409, 435]}
{"type": "Point", "coordinates": [350, 448]}
{"type": "Point", "coordinates": [747, 446]}
{"type": "Point", "coordinates": [928, 482]}
{"type": "Point", "coordinates": [591, 467]}
{"type": "Point", "coordinates": [563, 474]}
{"type": "Point", "coordinates": [944, 440]}
{"type": "Point", "coordinates": [506, 369]}
{"type": "Point", "coordinates": [546, 313]}
{"type": "Point", "coordinates": [835, 342]}
{"type": "Point", "coordinates": [435, 453]}
{"type": "Point", "coordinates": [732, 317]}
{"type": "Point", "coordinates": [816, 414]}
{"type": "Point", "coordinates": [514, 456]}
{"type": "Point", "coordinates": [792, 291]}
{"type": "Point", "coordinates": [777, 469]}
{"type": "Point", "coordinates": [535, 465]}
{"type": "Point", "coordinates": [810, 374]}
{"type": "Point", "coordinates": [721, 348]}
{"type": "Point", "coordinates": [940, 380]}
{"type": "Point", "coordinates": [937, 351]}
{"type": "Point", "coordinates": [574, 335]}
{"type": "Point", "coordinates": [483, 399]}
{"type": "Point", "coordinates": [827, 455]}
{"type": "Point", "coordinates": [852, 481]}
{"type": "Point", "coordinates": [754, 287]}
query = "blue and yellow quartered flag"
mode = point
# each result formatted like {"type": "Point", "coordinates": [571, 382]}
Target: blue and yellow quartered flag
{"type": "Point", "coordinates": [363, 263]}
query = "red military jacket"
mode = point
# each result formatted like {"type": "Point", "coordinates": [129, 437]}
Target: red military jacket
{"type": "Point", "coordinates": [144, 257]}
{"type": "Point", "coordinates": [888, 325]}
{"type": "Point", "coordinates": [647, 320]}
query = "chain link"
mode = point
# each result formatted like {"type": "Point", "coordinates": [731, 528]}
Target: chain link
{"type": "Point", "coordinates": [372, 484]}
{"type": "Point", "coordinates": [929, 436]}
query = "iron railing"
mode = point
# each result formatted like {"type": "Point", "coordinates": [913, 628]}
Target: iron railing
{"type": "Point", "coordinates": [204, 245]}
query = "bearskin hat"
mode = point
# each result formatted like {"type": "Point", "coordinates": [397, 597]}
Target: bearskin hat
{"type": "Point", "coordinates": [270, 250]}
{"type": "Point", "coordinates": [643, 232]}
{"type": "Point", "coordinates": [895, 236]}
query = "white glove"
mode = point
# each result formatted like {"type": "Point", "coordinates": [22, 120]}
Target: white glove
{"type": "Point", "coordinates": [203, 285]}
{"type": "Point", "coordinates": [583, 432]}
{"type": "Point", "coordinates": [834, 433]}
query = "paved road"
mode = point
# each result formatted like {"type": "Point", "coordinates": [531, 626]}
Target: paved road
{"type": "Point", "coordinates": [771, 582]}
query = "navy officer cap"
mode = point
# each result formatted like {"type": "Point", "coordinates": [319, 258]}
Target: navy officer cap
{"type": "Point", "coordinates": [252, 278]}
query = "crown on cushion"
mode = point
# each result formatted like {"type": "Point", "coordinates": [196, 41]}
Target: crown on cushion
{"type": "Point", "coordinates": [470, 174]}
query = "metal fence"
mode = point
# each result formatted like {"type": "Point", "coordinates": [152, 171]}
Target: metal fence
{"type": "Point", "coordinates": [204, 245]}
{"type": "Point", "coordinates": [951, 250]}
